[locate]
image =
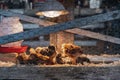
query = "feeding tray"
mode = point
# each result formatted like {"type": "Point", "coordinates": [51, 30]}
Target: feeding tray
{"type": "Point", "coordinates": [13, 49]}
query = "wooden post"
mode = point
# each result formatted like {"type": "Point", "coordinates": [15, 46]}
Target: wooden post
{"type": "Point", "coordinates": [58, 38]}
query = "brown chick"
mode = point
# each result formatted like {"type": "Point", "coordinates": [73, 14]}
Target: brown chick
{"type": "Point", "coordinates": [82, 60]}
{"type": "Point", "coordinates": [35, 57]}
{"type": "Point", "coordinates": [72, 51]}
{"type": "Point", "coordinates": [21, 58]}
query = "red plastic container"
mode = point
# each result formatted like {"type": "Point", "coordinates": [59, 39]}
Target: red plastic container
{"type": "Point", "coordinates": [13, 49]}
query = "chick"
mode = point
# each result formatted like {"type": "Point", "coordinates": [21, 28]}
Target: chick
{"type": "Point", "coordinates": [72, 51]}
{"type": "Point", "coordinates": [82, 60]}
{"type": "Point", "coordinates": [22, 58]}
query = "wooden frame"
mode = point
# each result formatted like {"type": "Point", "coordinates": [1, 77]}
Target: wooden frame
{"type": "Point", "coordinates": [54, 28]}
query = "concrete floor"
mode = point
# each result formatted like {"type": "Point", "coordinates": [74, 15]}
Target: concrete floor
{"type": "Point", "coordinates": [60, 73]}
{"type": "Point", "coordinates": [106, 67]}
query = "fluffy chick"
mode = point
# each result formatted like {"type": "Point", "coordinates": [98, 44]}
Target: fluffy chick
{"type": "Point", "coordinates": [72, 51]}
{"type": "Point", "coordinates": [59, 59]}
{"type": "Point", "coordinates": [52, 54]}
{"type": "Point", "coordinates": [36, 58]}
{"type": "Point", "coordinates": [22, 58]}
{"type": "Point", "coordinates": [82, 60]}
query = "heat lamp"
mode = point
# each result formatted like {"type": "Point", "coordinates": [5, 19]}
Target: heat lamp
{"type": "Point", "coordinates": [50, 8]}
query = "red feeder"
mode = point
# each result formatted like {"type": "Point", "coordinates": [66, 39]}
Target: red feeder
{"type": "Point", "coordinates": [13, 49]}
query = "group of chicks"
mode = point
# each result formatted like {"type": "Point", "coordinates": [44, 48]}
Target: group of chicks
{"type": "Point", "coordinates": [71, 54]}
